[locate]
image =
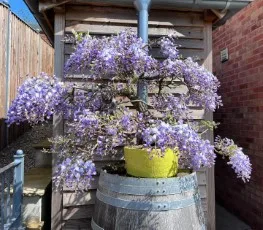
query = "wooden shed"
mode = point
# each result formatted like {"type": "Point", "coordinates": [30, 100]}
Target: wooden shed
{"type": "Point", "coordinates": [191, 20]}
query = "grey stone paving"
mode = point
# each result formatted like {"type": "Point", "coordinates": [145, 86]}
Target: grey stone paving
{"type": "Point", "coordinates": [227, 221]}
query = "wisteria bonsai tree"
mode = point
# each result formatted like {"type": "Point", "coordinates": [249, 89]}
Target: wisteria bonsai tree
{"type": "Point", "coordinates": [104, 112]}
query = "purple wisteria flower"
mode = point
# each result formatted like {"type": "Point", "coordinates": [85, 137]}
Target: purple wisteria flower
{"type": "Point", "coordinates": [169, 48]}
{"type": "Point", "coordinates": [75, 173]}
{"type": "Point", "coordinates": [196, 152]}
{"type": "Point", "coordinates": [38, 98]}
{"type": "Point", "coordinates": [237, 159]}
{"type": "Point", "coordinates": [110, 57]}
{"type": "Point", "coordinates": [105, 113]}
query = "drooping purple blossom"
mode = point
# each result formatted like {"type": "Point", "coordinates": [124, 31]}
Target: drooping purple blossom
{"type": "Point", "coordinates": [169, 104]}
{"type": "Point", "coordinates": [75, 173]}
{"type": "Point", "coordinates": [116, 56]}
{"type": "Point", "coordinates": [38, 98]}
{"type": "Point", "coordinates": [237, 159]}
{"type": "Point", "coordinates": [196, 152]}
{"type": "Point", "coordinates": [169, 48]}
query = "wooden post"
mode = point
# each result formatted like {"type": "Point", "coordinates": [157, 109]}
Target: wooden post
{"type": "Point", "coordinates": [8, 59]}
{"type": "Point", "coordinates": [58, 125]}
{"type": "Point", "coordinates": [210, 177]}
{"type": "Point", "coordinates": [18, 188]}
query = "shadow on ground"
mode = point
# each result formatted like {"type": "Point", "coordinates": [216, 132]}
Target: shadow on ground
{"type": "Point", "coordinates": [227, 221]}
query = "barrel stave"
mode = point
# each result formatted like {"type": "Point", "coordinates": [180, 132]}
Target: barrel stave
{"type": "Point", "coordinates": [120, 208]}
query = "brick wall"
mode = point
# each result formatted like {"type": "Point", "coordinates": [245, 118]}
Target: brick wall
{"type": "Point", "coordinates": [241, 116]}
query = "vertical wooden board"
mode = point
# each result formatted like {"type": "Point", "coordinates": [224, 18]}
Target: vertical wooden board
{"type": "Point", "coordinates": [3, 31]}
{"type": "Point", "coordinates": [209, 135]}
{"type": "Point", "coordinates": [12, 58]}
{"type": "Point", "coordinates": [57, 206]}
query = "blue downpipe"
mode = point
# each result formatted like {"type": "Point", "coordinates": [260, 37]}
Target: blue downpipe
{"type": "Point", "coordinates": [142, 6]}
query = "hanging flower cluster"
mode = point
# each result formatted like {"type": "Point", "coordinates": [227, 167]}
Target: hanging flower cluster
{"type": "Point", "coordinates": [198, 152]}
{"type": "Point", "coordinates": [73, 172]}
{"type": "Point", "coordinates": [38, 99]}
{"type": "Point", "coordinates": [98, 115]}
{"type": "Point", "coordinates": [237, 159]}
{"type": "Point", "coordinates": [111, 57]}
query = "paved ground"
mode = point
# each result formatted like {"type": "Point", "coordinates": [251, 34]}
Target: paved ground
{"type": "Point", "coordinates": [227, 221]}
{"type": "Point", "coordinates": [26, 142]}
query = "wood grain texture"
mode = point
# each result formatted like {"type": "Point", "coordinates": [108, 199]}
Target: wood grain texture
{"type": "Point", "coordinates": [75, 199]}
{"type": "Point", "coordinates": [80, 224]}
{"type": "Point", "coordinates": [111, 216]}
{"type": "Point", "coordinates": [75, 213]}
{"type": "Point", "coordinates": [58, 124]}
{"type": "Point", "coordinates": [120, 15]}
{"type": "Point", "coordinates": [209, 135]}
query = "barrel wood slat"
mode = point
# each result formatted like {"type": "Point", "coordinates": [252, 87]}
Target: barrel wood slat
{"type": "Point", "coordinates": [145, 203]}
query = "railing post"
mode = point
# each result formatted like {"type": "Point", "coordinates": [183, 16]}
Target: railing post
{"type": "Point", "coordinates": [18, 187]}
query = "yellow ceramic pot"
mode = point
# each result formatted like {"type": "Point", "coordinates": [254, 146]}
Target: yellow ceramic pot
{"type": "Point", "coordinates": [141, 163]}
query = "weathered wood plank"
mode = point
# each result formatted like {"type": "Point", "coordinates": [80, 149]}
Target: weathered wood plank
{"type": "Point", "coordinates": [128, 16]}
{"type": "Point", "coordinates": [209, 116]}
{"type": "Point", "coordinates": [75, 199]}
{"type": "Point", "coordinates": [57, 205]}
{"type": "Point", "coordinates": [105, 29]}
{"type": "Point", "coordinates": [75, 213]}
{"type": "Point", "coordinates": [81, 224]}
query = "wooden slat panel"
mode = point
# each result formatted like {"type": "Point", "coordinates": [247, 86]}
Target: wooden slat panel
{"type": "Point", "coordinates": [75, 213]}
{"type": "Point", "coordinates": [93, 185]}
{"type": "Point", "coordinates": [81, 224]}
{"type": "Point", "coordinates": [106, 29]}
{"type": "Point", "coordinates": [128, 16]}
{"type": "Point", "coordinates": [75, 199]}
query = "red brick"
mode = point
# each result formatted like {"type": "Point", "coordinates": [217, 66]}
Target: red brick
{"type": "Point", "coordinates": [242, 116]}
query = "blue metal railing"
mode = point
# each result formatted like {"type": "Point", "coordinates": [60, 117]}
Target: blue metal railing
{"type": "Point", "coordinates": [11, 181]}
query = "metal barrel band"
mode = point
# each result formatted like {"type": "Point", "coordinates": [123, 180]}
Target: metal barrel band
{"type": "Point", "coordinates": [184, 183]}
{"type": "Point", "coordinates": [143, 190]}
{"type": "Point", "coordinates": [94, 226]}
{"type": "Point", "coordinates": [145, 206]}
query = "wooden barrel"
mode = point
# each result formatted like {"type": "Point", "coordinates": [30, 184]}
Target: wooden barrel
{"type": "Point", "coordinates": [127, 203]}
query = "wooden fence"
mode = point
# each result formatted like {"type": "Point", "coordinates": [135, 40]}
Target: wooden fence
{"type": "Point", "coordinates": [22, 52]}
